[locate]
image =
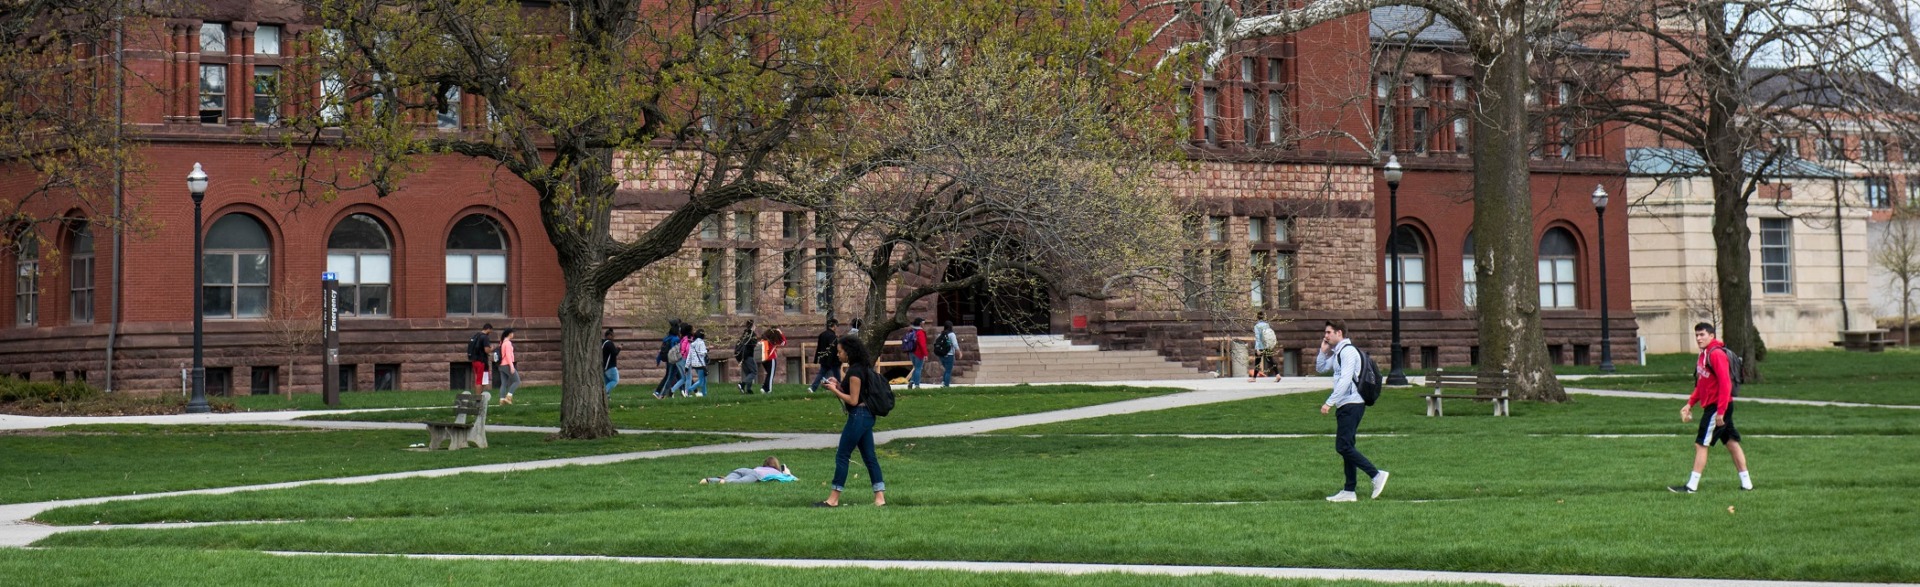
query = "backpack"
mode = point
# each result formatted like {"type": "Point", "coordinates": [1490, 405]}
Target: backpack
{"type": "Point", "coordinates": [880, 398]}
{"type": "Point", "coordinates": [1268, 339]}
{"type": "Point", "coordinates": [942, 346]}
{"type": "Point", "coordinates": [1367, 379]}
{"type": "Point", "coordinates": [475, 350]}
{"type": "Point", "coordinates": [1733, 369]}
{"type": "Point", "coordinates": [674, 355]}
{"type": "Point", "coordinates": [909, 343]}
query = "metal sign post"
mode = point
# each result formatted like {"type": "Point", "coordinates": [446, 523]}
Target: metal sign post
{"type": "Point", "coordinates": [330, 338]}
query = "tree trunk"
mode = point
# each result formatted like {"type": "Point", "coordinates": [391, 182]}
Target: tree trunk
{"type": "Point", "coordinates": [1510, 332]}
{"type": "Point", "coordinates": [583, 406]}
{"type": "Point", "coordinates": [1733, 261]}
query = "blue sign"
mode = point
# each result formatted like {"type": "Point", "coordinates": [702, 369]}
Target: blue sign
{"type": "Point", "coordinates": [329, 276]}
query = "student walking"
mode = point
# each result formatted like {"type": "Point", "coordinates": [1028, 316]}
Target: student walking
{"type": "Point", "coordinates": [825, 356]}
{"type": "Point", "coordinates": [509, 368]}
{"type": "Point", "coordinates": [947, 347]}
{"type": "Point", "coordinates": [915, 344]}
{"type": "Point", "coordinates": [672, 339]}
{"type": "Point", "coordinates": [680, 356]}
{"type": "Point", "coordinates": [1265, 344]}
{"type": "Point", "coordinates": [1713, 390]}
{"type": "Point", "coordinates": [479, 349]}
{"type": "Point", "coordinates": [610, 361]}
{"type": "Point", "coordinates": [1338, 355]}
{"type": "Point", "coordinates": [770, 345]}
{"type": "Point", "coordinates": [746, 350]}
{"type": "Point", "coordinates": [697, 363]}
{"type": "Point", "coordinates": [858, 431]}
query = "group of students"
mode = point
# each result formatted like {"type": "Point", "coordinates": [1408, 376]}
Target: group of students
{"type": "Point", "coordinates": [488, 356]}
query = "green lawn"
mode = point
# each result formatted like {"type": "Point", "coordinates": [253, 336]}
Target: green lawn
{"type": "Point", "coordinates": [1826, 375]}
{"type": "Point", "coordinates": [1566, 504]}
{"type": "Point", "coordinates": [791, 409]}
{"type": "Point", "coordinates": [87, 567]}
{"type": "Point", "coordinates": [1401, 411]}
{"type": "Point", "coordinates": [100, 460]}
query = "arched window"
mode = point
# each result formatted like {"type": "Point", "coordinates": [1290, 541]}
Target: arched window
{"type": "Point", "coordinates": [238, 269]}
{"type": "Point", "coordinates": [1470, 283]}
{"type": "Point", "coordinates": [26, 283]}
{"type": "Point", "coordinates": [1412, 257]}
{"type": "Point", "coordinates": [80, 274]}
{"type": "Point", "coordinates": [1556, 270]}
{"type": "Point", "coordinates": [361, 255]}
{"type": "Point", "coordinates": [476, 267]}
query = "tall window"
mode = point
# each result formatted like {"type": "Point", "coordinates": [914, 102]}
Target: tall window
{"type": "Point", "coordinates": [1210, 115]}
{"type": "Point", "coordinates": [238, 264]}
{"type": "Point", "coordinates": [1257, 230]}
{"type": "Point", "coordinates": [1412, 257]}
{"type": "Point", "coordinates": [266, 101]}
{"type": "Point", "coordinates": [1460, 139]}
{"type": "Point", "coordinates": [711, 285]}
{"type": "Point", "coordinates": [744, 262]}
{"type": "Point", "coordinates": [1776, 255]}
{"type": "Point", "coordinates": [791, 280]}
{"type": "Point", "coordinates": [26, 282]}
{"type": "Point", "coordinates": [213, 93]}
{"type": "Point", "coordinates": [1469, 281]}
{"type": "Point", "coordinates": [1787, 146]}
{"type": "Point", "coordinates": [822, 282]}
{"type": "Point", "coordinates": [1217, 229]}
{"type": "Point", "coordinates": [1261, 268]}
{"type": "Point", "coordinates": [1832, 149]}
{"type": "Point", "coordinates": [1913, 191]}
{"type": "Point", "coordinates": [792, 225]}
{"type": "Point", "coordinates": [360, 253]}
{"type": "Point", "coordinates": [1873, 149]}
{"type": "Point", "coordinates": [1556, 270]}
{"type": "Point", "coordinates": [1276, 100]}
{"type": "Point", "coordinates": [1249, 104]}
{"type": "Point", "coordinates": [448, 117]}
{"type": "Point", "coordinates": [744, 226]}
{"type": "Point", "coordinates": [80, 276]}
{"type": "Point", "coordinates": [1879, 192]}
{"type": "Point", "coordinates": [476, 267]}
{"type": "Point", "coordinates": [1284, 290]}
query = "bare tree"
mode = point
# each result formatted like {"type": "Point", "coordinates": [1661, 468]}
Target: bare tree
{"type": "Point", "coordinates": [1703, 298]}
{"type": "Point", "coordinates": [1899, 254]}
{"type": "Point", "coordinates": [295, 329]}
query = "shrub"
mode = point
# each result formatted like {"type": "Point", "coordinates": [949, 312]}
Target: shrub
{"type": "Point", "coordinates": [14, 390]}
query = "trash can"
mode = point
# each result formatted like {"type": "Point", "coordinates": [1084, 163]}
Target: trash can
{"type": "Point", "coordinates": [1237, 360]}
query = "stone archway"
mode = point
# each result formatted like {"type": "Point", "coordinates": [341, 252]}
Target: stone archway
{"type": "Point", "coordinates": [1014, 306]}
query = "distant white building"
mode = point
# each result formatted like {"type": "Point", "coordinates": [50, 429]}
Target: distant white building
{"type": "Point", "coordinates": [1810, 265]}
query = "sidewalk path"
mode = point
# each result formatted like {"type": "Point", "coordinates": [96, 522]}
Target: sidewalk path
{"type": "Point", "coordinates": [1383, 575]}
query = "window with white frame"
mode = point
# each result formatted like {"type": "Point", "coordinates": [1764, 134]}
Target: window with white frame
{"type": "Point", "coordinates": [1411, 256]}
{"type": "Point", "coordinates": [1469, 283]}
{"type": "Point", "coordinates": [745, 263]}
{"type": "Point", "coordinates": [1261, 267]}
{"type": "Point", "coordinates": [26, 281]}
{"type": "Point", "coordinates": [1879, 192]}
{"type": "Point", "coordinates": [1776, 255]}
{"type": "Point", "coordinates": [712, 280]}
{"type": "Point", "coordinates": [476, 268]}
{"type": "Point", "coordinates": [361, 255]}
{"type": "Point", "coordinates": [237, 265]}
{"type": "Point", "coordinates": [80, 275]}
{"type": "Point", "coordinates": [266, 94]}
{"type": "Point", "coordinates": [1558, 283]}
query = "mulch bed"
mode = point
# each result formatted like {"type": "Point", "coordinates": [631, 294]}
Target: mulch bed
{"type": "Point", "coordinates": [115, 405]}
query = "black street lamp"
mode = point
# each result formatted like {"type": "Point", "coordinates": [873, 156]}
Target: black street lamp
{"type": "Point", "coordinates": [1606, 329]}
{"type": "Point", "coordinates": [1397, 376]}
{"type": "Point", "coordinates": [197, 185]}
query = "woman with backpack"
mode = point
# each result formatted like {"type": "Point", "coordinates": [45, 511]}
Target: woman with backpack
{"type": "Point", "coordinates": [770, 345]}
{"type": "Point", "coordinates": [682, 362]}
{"type": "Point", "coordinates": [947, 347]}
{"type": "Point", "coordinates": [697, 363]}
{"type": "Point", "coordinates": [855, 399]}
{"type": "Point", "coordinates": [746, 351]}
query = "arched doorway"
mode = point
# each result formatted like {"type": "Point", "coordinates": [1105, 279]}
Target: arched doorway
{"type": "Point", "coordinates": [1011, 306]}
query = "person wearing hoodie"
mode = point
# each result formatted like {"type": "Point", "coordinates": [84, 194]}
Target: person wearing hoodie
{"type": "Point", "coordinates": [1713, 392]}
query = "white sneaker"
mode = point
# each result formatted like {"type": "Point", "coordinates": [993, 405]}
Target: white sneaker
{"type": "Point", "coordinates": [1379, 483]}
{"type": "Point", "coordinates": [1343, 496]}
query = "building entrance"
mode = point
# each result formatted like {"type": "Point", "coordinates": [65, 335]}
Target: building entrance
{"type": "Point", "coordinates": [1012, 306]}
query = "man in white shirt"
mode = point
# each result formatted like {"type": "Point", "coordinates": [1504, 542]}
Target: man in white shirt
{"type": "Point", "coordinates": [1338, 355]}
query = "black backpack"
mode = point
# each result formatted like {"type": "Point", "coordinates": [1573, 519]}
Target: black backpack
{"type": "Point", "coordinates": [1734, 369]}
{"type": "Point", "coordinates": [879, 398]}
{"type": "Point", "coordinates": [476, 350]}
{"type": "Point", "coordinates": [942, 346]}
{"type": "Point", "coordinates": [1367, 380]}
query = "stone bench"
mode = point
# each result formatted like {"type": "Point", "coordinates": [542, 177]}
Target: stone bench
{"type": "Point", "coordinates": [456, 434]}
{"type": "Point", "coordinates": [1868, 341]}
{"type": "Point", "coordinates": [1494, 387]}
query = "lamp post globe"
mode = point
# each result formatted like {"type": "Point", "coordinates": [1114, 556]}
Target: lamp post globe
{"type": "Point", "coordinates": [1393, 174]}
{"type": "Point", "coordinates": [197, 186]}
{"type": "Point", "coordinates": [1606, 327]}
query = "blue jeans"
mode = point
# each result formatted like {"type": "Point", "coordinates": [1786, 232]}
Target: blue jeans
{"type": "Point", "coordinates": [1348, 417]}
{"type": "Point", "coordinates": [699, 375]}
{"type": "Point", "coordinates": [667, 381]}
{"type": "Point", "coordinates": [946, 370]}
{"type": "Point", "coordinates": [613, 378]}
{"type": "Point", "coordinates": [857, 433]}
{"type": "Point", "coordinates": [919, 364]}
{"type": "Point", "coordinates": [825, 372]}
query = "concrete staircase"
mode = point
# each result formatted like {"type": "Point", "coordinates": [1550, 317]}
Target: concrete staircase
{"type": "Point", "coordinates": [1054, 359]}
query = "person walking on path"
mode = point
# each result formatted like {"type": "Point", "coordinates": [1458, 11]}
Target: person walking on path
{"type": "Point", "coordinates": [858, 432]}
{"type": "Point", "coordinates": [610, 361]}
{"type": "Point", "coordinates": [479, 350]}
{"type": "Point", "coordinates": [665, 387]}
{"type": "Point", "coordinates": [1713, 391]}
{"type": "Point", "coordinates": [853, 328]}
{"type": "Point", "coordinates": [825, 356]}
{"type": "Point", "coordinates": [770, 345]}
{"type": "Point", "coordinates": [746, 350]}
{"type": "Point", "coordinates": [697, 363]}
{"type": "Point", "coordinates": [1265, 344]}
{"type": "Point", "coordinates": [682, 351]}
{"type": "Point", "coordinates": [509, 368]}
{"type": "Point", "coordinates": [915, 344]}
{"type": "Point", "coordinates": [947, 347]}
{"type": "Point", "coordinates": [1338, 355]}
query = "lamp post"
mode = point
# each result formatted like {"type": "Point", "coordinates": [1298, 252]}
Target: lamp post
{"type": "Point", "coordinates": [1606, 329]}
{"type": "Point", "coordinates": [197, 185]}
{"type": "Point", "coordinates": [1397, 376]}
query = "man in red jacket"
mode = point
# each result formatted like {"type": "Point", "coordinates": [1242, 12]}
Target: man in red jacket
{"type": "Point", "coordinates": [1713, 390]}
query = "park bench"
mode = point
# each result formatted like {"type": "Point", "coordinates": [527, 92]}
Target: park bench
{"type": "Point", "coordinates": [1494, 387]}
{"type": "Point", "coordinates": [1870, 341]}
{"type": "Point", "coordinates": [461, 431]}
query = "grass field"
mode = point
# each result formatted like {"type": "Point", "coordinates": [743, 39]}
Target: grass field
{"type": "Point", "coordinates": [791, 409]}
{"type": "Point", "coordinates": [1889, 377]}
{"type": "Point", "coordinates": [98, 460]}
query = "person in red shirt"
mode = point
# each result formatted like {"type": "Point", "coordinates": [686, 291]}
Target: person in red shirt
{"type": "Point", "coordinates": [1713, 391]}
{"type": "Point", "coordinates": [919, 353]}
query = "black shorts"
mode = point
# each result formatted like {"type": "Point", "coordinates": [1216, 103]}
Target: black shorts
{"type": "Point", "coordinates": [1711, 432]}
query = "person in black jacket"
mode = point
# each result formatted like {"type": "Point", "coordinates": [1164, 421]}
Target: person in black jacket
{"type": "Point", "coordinates": [744, 351]}
{"type": "Point", "coordinates": [825, 355]}
{"type": "Point", "coordinates": [610, 361]}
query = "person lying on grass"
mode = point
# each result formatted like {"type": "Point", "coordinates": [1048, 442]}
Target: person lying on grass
{"type": "Point", "coordinates": [770, 470]}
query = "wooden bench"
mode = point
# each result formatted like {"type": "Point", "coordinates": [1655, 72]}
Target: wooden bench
{"type": "Point", "coordinates": [456, 434]}
{"type": "Point", "coordinates": [1494, 387]}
